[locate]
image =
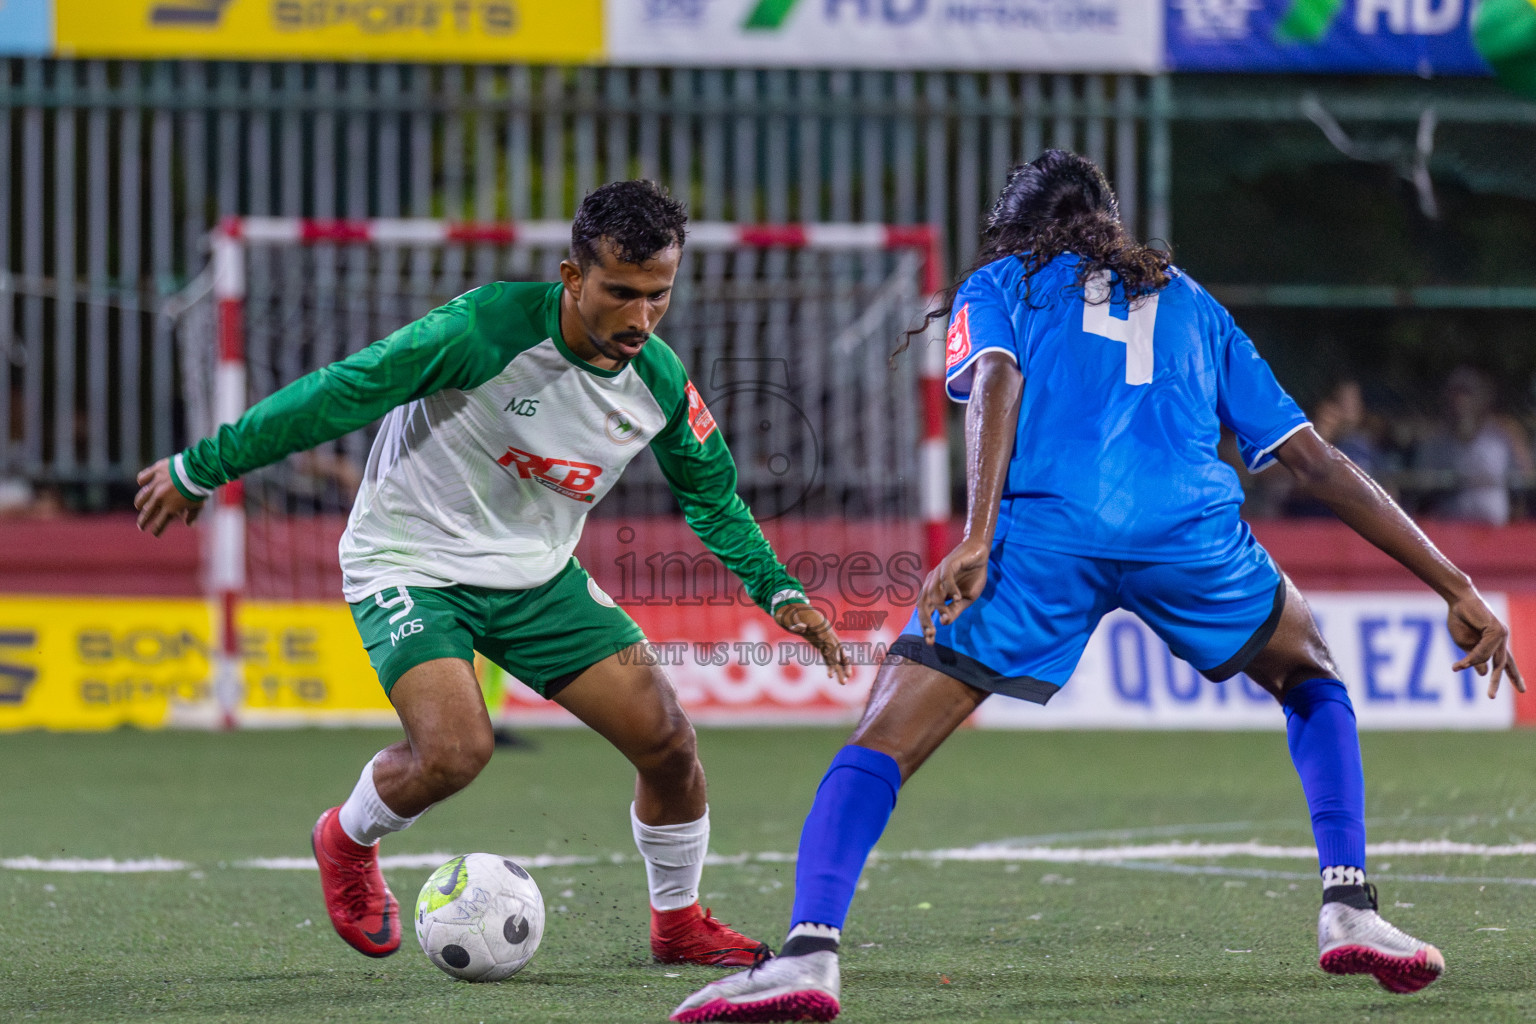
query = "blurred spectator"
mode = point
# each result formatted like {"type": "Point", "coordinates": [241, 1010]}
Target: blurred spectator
{"type": "Point", "coordinates": [19, 499]}
{"type": "Point", "coordinates": [1474, 453]}
{"type": "Point", "coordinates": [1339, 418]}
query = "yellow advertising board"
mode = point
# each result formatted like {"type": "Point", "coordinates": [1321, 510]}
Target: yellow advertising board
{"type": "Point", "coordinates": [414, 30]}
{"type": "Point", "coordinates": [100, 663]}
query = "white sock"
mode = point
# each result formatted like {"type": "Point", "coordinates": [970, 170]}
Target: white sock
{"type": "Point", "coordinates": [674, 859]}
{"type": "Point", "coordinates": [365, 817]}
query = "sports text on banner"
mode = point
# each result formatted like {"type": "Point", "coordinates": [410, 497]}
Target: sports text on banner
{"type": "Point", "coordinates": [448, 30]}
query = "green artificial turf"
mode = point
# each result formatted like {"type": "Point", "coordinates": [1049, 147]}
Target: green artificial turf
{"type": "Point", "coordinates": [944, 942]}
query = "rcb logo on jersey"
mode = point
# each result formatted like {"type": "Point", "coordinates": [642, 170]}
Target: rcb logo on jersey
{"type": "Point", "coordinates": [564, 476]}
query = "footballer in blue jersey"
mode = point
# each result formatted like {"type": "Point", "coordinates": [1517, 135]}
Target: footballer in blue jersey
{"type": "Point", "coordinates": [1098, 378]}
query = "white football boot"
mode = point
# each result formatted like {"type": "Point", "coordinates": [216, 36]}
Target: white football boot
{"type": "Point", "coordinates": [786, 988]}
{"type": "Point", "coordinates": [1355, 941]}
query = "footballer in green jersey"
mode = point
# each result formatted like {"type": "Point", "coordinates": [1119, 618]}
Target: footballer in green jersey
{"type": "Point", "coordinates": [507, 414]}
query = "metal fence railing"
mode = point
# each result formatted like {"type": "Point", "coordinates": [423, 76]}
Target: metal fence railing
{"type": "Point", "coordinates": [117, 170]}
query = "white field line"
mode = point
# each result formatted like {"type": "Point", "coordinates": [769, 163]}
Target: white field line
{"type": "Point", "coordinates": [1173, 851]}
{"type": "Point", "coordinates": [982, 853]}
{"type": "Point", "coordinates": [1166, 868]}
{"type": "Point", "coordinates": [94, 865]}
{"type": "Point", "coordinates": [426, 861]}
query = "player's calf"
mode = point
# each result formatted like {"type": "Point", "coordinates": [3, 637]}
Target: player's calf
{"type": "Point", "coordinates": [1352, 938]}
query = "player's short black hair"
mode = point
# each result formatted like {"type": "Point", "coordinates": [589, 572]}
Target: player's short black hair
{"type": "Point", "coordinates": [638, 218]}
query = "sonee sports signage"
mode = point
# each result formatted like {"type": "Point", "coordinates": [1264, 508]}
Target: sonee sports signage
{"type": "Point", "coordinates": [423, 30]}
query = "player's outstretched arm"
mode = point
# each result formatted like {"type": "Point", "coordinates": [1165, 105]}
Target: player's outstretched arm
{"type": "Point", "coordinates": [444, 349]}
{"type": "Point", "coordinates": [697, 464]}
{"type": "Point", "coordinates": [1327, 474]}
{"type": "Point", "coordinates": [160, 503]}
{"type": "Point", "coordinates": [991, 420]}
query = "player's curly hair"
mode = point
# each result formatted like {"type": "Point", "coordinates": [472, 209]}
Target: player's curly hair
{"type": "Point", "coordinates": [1059, 203]}
{"type": "Point", "coordinates": [638, 218]}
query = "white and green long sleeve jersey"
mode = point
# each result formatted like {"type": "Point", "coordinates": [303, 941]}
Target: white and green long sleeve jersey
{"type": "Point", "coordinates": [497, 442]}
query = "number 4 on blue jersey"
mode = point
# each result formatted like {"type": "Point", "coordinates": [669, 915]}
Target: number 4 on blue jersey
{"type": "Point", "coordinates": [1135, 331]}
{"type": "Point", "coordinates": [1122, 410]}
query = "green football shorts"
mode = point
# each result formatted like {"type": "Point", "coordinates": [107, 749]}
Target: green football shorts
{"type": "Point", "coordinates": [545, 636]}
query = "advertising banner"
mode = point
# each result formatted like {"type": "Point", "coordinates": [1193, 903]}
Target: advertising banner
{"type": "Point", "coordinates": [26, 28]}
{"type": "Point", "coordinates": [748, 671]}
{"type": "Point", "coordinates": [1034, 35]}
{"type": "Point", "coordinates": [1406, 37]}
{"type": "Point", "coordinates": [101, 663]}
{"type": "Point", "coordinates": [1393, 651]}
{"type": "Point", "coordinates": [417, 30]}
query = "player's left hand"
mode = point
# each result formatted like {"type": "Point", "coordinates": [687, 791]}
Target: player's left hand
{"type": "Point", "coordinates": [1478, 631]}
{"type": "Point", "coordinates": [952, 585]}
{"type": "Point", "coordinates": [806, 622]}
{"type": "Point", "coordinates": [159, 502]}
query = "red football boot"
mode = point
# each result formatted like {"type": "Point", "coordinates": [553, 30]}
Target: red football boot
{"type": "Point", "coordinates": [692, 935]}
{"type": "Point", "coordinates": [363, 910]}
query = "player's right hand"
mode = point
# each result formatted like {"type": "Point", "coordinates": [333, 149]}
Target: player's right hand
{"type": "Point", "coordinates": [159, 502]}
{"type": "Point", "coordinates": [952, 585]}
{"type": "Point", "coordinates": [1479, 632]}
{"type": "Point", "coordinates": [807, 622]}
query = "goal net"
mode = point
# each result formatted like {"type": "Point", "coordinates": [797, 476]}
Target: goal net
{"type": "Point", "coordinates": [786, 330]}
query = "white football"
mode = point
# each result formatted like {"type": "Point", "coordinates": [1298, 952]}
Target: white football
{"type": "Point", "coordinates": [480, 917]}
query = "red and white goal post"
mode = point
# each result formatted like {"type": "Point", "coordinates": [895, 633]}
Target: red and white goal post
{"type": "Point", "coordinates": [795, 268]}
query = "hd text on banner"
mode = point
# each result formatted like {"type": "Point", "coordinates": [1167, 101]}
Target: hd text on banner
{"type": "Point", "coordinates": [1404, 37]}
{"type": "Point", "coordinates": [1034, 35]}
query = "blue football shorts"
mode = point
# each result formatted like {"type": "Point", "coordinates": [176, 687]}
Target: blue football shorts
{"type": "Point", "coordinates": [1024, 635]}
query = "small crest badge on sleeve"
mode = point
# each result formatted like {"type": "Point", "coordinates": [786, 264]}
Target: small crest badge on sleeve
{"type": "Point", "coordinates": [957, 343]}
{"type": "Point", "coordinates": [699, 417]}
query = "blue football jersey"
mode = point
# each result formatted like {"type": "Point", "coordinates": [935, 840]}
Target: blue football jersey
{"type": "Point", "coordinates": [1122, 410]}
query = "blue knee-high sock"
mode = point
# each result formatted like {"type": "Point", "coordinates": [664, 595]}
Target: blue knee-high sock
{"type": "Point", "coordinates": [852, 805]}
{"type": "Point", "coordinates": [1320, 730]}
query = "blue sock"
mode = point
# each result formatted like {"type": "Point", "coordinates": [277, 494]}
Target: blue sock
{"type": "Point", "coordinates": [852, 805]}
{"type": "Point", "coordinates": [1320, 730]}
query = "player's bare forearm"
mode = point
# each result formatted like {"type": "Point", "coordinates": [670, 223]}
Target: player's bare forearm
{"type": "Point", "coordinates": [1328, 475]}
{"type": "Point", "coordinates": [991, 420]}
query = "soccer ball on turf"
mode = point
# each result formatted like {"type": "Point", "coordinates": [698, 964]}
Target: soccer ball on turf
{"type": "Point", "coordinates": [480, 917]}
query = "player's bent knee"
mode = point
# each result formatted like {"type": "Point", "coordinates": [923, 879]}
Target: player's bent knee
{"type": "Point", "coordinates": [673, 752]}
{"type": "Point", "coordinates": [449, 767]}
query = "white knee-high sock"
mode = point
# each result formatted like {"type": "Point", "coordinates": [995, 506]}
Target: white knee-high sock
{"type": "Point", "coordinates": [365, 817]}
{"type": "Point", "coordinates": [674, 859]}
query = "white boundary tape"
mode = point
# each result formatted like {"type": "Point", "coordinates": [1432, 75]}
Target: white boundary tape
{"type": "Point", "coordinates": [1144, 857]}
